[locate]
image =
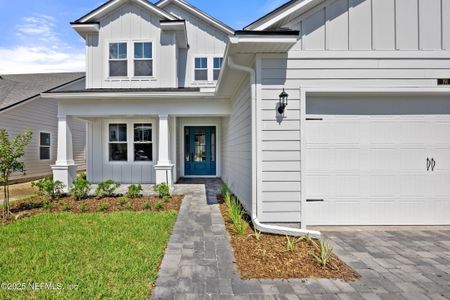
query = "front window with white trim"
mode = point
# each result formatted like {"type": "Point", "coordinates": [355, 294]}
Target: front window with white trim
{"type": "Point", "coordinates": [118, 63]}
{"type": "Point", "coordinates": [118, 148]}
{"type": "Point", "coordinates": [143, 144]}
{"type": "Point", "coordinates": [44, 145]}
{"type": "Point", "coordinates": [201, 68]}
{"type": "Point", "coordinates": [143, 59]}
{"type": "Point", "coordinates": [218, 61]}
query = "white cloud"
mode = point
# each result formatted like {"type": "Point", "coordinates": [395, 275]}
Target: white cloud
{"type": "Point", "coordinates": [40, 49]}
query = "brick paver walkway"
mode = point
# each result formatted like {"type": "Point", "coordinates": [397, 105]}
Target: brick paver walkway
{"type": "Point", "coordinates": [198, 263]}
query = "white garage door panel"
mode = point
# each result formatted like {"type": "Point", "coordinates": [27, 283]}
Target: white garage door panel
{"type": "Point", "coordinates": [372, 169]}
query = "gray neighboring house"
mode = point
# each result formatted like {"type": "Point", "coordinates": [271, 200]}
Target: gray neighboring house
{"type": "Point", "coordinates": [21, 107]}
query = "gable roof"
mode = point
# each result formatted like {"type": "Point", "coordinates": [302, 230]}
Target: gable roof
{"type": "Point", "coordinates": [199, 13]}
{"type": "Point", "coordinates": [19, 88]}
{"type": "Point", "coordinates": [113, 4]}
{"type": "Point", "coordinates": [274, 17]}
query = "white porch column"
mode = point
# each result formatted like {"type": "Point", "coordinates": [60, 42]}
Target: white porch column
{"type": "Point", "coordinates": [64, 169]}
{"type": "Point", "coordinates": [164, 168]}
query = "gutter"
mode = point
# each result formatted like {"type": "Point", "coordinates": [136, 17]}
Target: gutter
{"type": "Point", "coordinates": [256, 223]}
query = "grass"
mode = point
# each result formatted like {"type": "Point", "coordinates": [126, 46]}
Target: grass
{"type": "Point", "coordinates": [113, 256]}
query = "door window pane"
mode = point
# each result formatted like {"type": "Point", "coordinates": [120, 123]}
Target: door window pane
{"type": "Point", "coordinates": [213, 144]}
{"type": "Point", "coordinates": [200, 145]}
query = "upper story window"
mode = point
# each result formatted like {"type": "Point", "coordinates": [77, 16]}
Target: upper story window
{"type": "Point", "coordinates": [218, 61]}
{"type": "Point", "coordinates": [118, 64]}
{"type": "Point", "coordinates": [201, 68]}
{"type": "Point", "coordinates": [143, 59]}
{"type": "Point", "coordinates": [44, 145]}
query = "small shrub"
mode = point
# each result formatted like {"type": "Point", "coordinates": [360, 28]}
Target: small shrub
{"type": "Point", "coordinates": [83, 208]}
{"type": "Point", "coordinates": [307, 238]}
{"type": "Point", "coordinates": [290, 243]}
{"type": "Point", "coordinates": [65, 207]}
{"type": "Point", "coordinates": [50, 188]}
{"type": "Point", "coordinates": [103, 207]}
{"type": "Point", "coordinates": [122, 201]}
{"type": "Point", "coordinates": [163, 190]}
{"type": "Point", "coordinates": [146, 205]}
{"type": "Point", "coordinates": [134, 191]}
{"type": "Point", "coordinates": [128, 206]}
{"type": "Point", "coordinates": [227, 199]}
{"type": "Point", "coordinates": [325, 253]}
{"type": "Point", "coordinates": [241, 226]}
{"type": "Point", "coordinates": [47, 204]}
{"type": "Point", "coordinates": [106, 189]}
{"type": "Point", "coordinates": [81, 188]}
{"type": "Point", "coordinates": [224, 190]}
{"type": "Point", "coordinates": [237, 216]}
{"type": "Point", "coordinates": [31, 205]}
{"type": "Point", "coordinates": [159, 205]}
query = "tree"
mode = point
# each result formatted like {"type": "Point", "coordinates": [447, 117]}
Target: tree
{"type": "Point", "coordinates": [11, 151]}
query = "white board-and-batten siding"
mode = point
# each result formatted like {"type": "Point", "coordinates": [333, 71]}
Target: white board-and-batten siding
{"type": "Point", "coordinates": [99, 168]}
{"type": "Point", "coordinates": [384, 45]}
{"type": "Point", "coordinates": [237, 146]}
{"type": "Point", "coordinates": [375, 25]}
{"type": "Point", "coordinates": [40, 115]}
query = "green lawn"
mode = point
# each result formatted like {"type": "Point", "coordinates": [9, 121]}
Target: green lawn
{"type": "Point", "coordinates": [96, 255]}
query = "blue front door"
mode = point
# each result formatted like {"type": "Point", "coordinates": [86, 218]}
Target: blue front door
{"type": "Point", "coordinates": [200, 151]}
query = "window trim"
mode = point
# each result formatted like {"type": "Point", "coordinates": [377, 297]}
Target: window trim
{"type": "Point", "coordinates": [134, 76]}
{"type": "Point", "coordinates": [49, 147]}
{"type": "Point", "coordinates": [130, 141]}
{"type": "Point", "coordinates": [202, 69]}
{"type": "Point", "coordinates": [144, 143]}
{"type": "Point", "coordinates": [108, 44]}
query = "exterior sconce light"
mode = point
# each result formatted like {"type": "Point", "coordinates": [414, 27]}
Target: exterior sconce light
{"type": "Point", "coordinates": [283, 102]}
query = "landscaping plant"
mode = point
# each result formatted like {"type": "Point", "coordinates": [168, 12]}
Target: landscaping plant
{"type": "Point", "coordinates": [227, 199]}
{"type": "Point", "coordinates": [83, 208]}
{"type": "Point", "coordinates": [159, 205]}
{"type": "Point", "coordinates": [237, 216]}
{"type": "Point", "coordinates": [81, 187]}
{"type": "Point", "coordinates": [53, 189]}
{"type": "Point", "coordinates": [146, 205]}
{"type": "Point", "coordinates": [224, 190]}
{"type": "Point", "coordinates": [11, 151]}
{"type": "Point", "coordinates": [106, 189]}
{"type": "Point", "coordinates": [163, 190]}
{"type": "Point", "coordinates": [325, 251]}
{"type": "Point", "coordinates": [290, 243]}
{"type": "Point", "coordinates": [257, 234]}
{"type": "Point", "coordinates": [103, 207]}
{"type": "Point", "coordinates": [134, 191]}
{"type": "Point", "coordinates": [122, 201]}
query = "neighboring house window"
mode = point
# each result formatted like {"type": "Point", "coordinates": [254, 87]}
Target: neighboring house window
{"type": "Point", "coordinates": [218, 61]}
{"type": "Point", "coordinates": [143, 59]}
{"type": "Point", "coordinates": [44, 145]}
{"type": "Point", "coordinates": [143, 148]}
{"type": "Point", "coordinates": [201, 68]}
{"type": "Point", "coordinates": [118, 150]}
{"type": "Point", "coordinates": [118, 64]}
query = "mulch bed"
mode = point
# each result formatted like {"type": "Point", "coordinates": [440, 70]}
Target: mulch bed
{"type": "Point", "coordinates": [36, 205]}
{"type": "Point", "coordinates": [269, 258]}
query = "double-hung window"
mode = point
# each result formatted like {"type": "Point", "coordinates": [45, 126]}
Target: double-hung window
{"type": "Point", "coordinates": [44, 145]}
{"type": "Point", "coordinates": [143, 146]}
{"type": "Point", "coordinates": [118, 148]}
{"type": "Point", "coordinates": [201, 68]}
{"type": "Point", "coordinates": [143, 59]}
{"type": "Point", "coordinates": [218, 61]}
{"type": "Point", "coordinates": [118, 63]}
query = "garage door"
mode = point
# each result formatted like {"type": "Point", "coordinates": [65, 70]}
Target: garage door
{"type": "Point", "coordinates": [377, 160]}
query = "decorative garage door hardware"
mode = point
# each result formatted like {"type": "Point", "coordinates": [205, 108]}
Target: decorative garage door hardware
{"type": "Point", "coordinates": [431, 164]}
{"type": "Point", "coordinates": [314, 200]}
{"type": "Point", "coordinates": [314, 119]}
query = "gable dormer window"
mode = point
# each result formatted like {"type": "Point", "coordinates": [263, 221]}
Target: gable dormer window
{"type": "Point", "coordinates": [143, 59]}
{"type": "Point", "coordinates": [218, 61]}
{"type": "Point", "coordinates": [201, 68]}
{"type": "Point", "coordinates": [118, 64]}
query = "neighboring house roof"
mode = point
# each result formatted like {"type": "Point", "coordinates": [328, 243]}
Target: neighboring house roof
{"type": "Point", "coordinates": [113, 4]}
{"type": "Point", "coordinates": [288, 10]}
{"type": "Point", "coordinates": [199, 13]}
{"type": "Point", "coordinates": [19, 88]}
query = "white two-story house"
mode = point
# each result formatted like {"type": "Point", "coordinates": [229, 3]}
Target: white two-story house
{"type": "Point", "coordinates": [323, 112]}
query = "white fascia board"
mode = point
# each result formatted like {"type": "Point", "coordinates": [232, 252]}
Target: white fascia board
{"type": "Point", "coordinates": [176, 26]}
{"type": "Point", "coordinates": [198, 14]}
{"type": "Point", "coordinates": [303, 5]}
{"type": "Point", "coordinates": [416, 90]}
{"type": "Point", "coordinates": [83, 29]}
{"type": "Point", "coordinates": [115, 95]}
{"type": "Point", "coordinates": [115, 3]}
{"type": "Point", "coordinates": [263, 39]}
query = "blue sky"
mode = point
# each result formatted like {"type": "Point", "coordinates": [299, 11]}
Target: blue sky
{"type": "Point", "coordinates": [35, 35]}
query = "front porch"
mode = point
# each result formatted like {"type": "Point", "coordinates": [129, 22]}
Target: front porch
{"type": "Point", "coordinates": [143, 150]}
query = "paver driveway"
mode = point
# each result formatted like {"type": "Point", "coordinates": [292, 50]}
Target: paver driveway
{"type": "Point", "coordinates": [198, 263]}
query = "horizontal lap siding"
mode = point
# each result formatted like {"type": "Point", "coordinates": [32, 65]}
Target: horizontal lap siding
{"type": "Point", "coordinates": [40, 115]}
{"type": "Point", "coordinates": [237, 147]}
{"type": "Point", "coordinates": [280, 148]}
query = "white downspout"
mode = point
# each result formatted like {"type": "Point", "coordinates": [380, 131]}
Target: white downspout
{"type": "Point", "coordinates": [256, 223]}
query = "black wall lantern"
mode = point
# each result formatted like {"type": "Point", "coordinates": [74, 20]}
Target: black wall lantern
{"type": "Point", "coordinates": [283, 102]}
